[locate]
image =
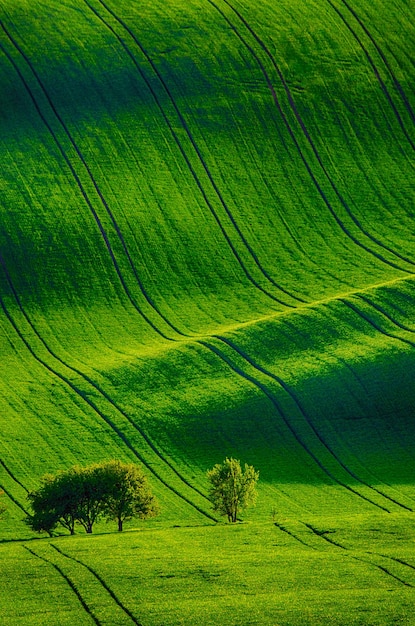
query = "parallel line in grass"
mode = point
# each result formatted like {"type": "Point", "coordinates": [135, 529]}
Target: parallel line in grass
{"type": "Point", "coordinates": [72, 169]}
{"type": "Point", "coordinates": [353, 372]}
{"type": "Point", "coordinates": [356, 558]}
{"type": "Point", "coordinates": [91, 382]}
{"type": "Point", "coordinates": [288, 532]}
{"type": "Point", "coordinates": [394, 558]}
{"type": "Point", "coordinates": [304, 413]}
{"type": "Point", "coordinates": [322, 535]}
{"type": "Point", "coordinates": [378, 308]}
{"type": "Point", "coordinates": [376, 71]}
{"type": "Point", "coordinates": [199, 155]}
{"type": "Point", "coordinates": [338, 545]}
{"type": "Point", "coordinates": [375, 325]}
{"type": "Point", "coordinates": [13, 499]}
{"type": "Point", "coordinates": [383, 569]}
{"type": "Point", "coordinates": [101, 581]}
{"type": "Point", "coordinates": [69, 582]}
{"type": "Point", "coordinates": [310, 141]}
{"type": "Point", "coordinates": [385, 61]}
{"type": "Point", "coordinates": [109, 422]}
{"type": "Point", "coordinates": [296, 436]}
{"type": "Point", "coordinates": [12, 476]}
{"type": "Point", "coordinates": [106, 419]}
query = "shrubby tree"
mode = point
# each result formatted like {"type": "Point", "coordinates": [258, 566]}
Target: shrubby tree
{"type": "Point", "coordinates": [55, 502]}
{"type": "Point", "coordinates": [129, 494]}
{"type": "Point", "coordinates": [232, 489]}
{"type": "Point", "coordinates": [114, 490]}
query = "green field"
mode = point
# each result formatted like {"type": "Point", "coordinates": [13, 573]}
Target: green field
{"type": "Point", "coordinates": [207, 249]}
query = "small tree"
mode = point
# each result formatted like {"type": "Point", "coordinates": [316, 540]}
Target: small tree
{"type": "Point", "coordinates": [55, 502]}
{"type": "Point", "coordinates": [93, 488]}
{"type": "Point", "coordinates": [129, 493]}
{"type": "Point", "coordinates": [231, 488]}
{"type": "Point", "coordinates": [82, 495]}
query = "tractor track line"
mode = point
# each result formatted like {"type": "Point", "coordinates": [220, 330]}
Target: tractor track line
{"type": "Point", "coordinates": [306, 417]}
{"type": "Point", "coordinates": [375, 325]}
{"type": "Point", "coordinates": [378, 308]}
{"type": "Point", "coordinates": [119, 275]}
{"type": "Point", "coordinates": [361, 383]}
{"type": "Point", "coordinates": [288, 532]}
{"type": "Point", "coordinates": [102, 415]}
{"type": "Point", "coordinates": [384, 59]}
{"type": "Point", "coordinates": [93, 384]}
{"type": "Point", "coordinates": [96, 187]}
{"type": "Point", "coordinates": [383, 569]}
{"type": "Point", "coordinates": [12, 476]}
{"type": "Point", "coordinates": [13, 499]}
{"type": "Point", "coordinates": [101, 581]}
{"type": "Point", "coordinates": [70, 583]}
{"type": "Point", "coordinates": [394, 558]}
{"type": "Point", "coordinates": [375, 70]}
{"type": "Point", "coordinates": [356, 558]}
{"type": "Point", "coordinates": [310, 142]}
{"type": "Point", "coordinates": [322, 535]}
{"type": "Point", "coordinates": [354, 374]}
{"type": "Point", "coordinates": [115, 265]}
{"type": "Point", "coordinates": [199, 156]}
{"type": "Point", "coordinates": [273, 400]}
{"type": "Point", "coordinates": [72, 169]}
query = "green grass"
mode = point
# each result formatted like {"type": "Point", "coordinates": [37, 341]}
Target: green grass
{"type": "Point", "coordinates": [207, 250]}
{"type": "Point", "coordinates": [321, 570]}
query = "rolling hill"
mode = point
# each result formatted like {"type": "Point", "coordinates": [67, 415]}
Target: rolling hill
{"type": "Point", "coordinates": [207, 249]}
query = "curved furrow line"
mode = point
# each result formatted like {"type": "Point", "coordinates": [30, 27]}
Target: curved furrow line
{"type": "Point", "coordinates": [383, 569]}
{"type": "Point", "coordinates": [199, 155]}
{"type": "Point", "coordinates": [356, 558]}
{"type": "Point", "coordinates": [288, 532]}
{"type": "Point", "coordinates": [93, 384]}
{"type": "Point", "coordinates": [151, 445]}
{"type": "Point", "coordinates": [323, 536]}
{"type": "Point", "coordinates": [106, 419]}
{"type": "Point", "coordinates": [76, 177]}
{"type": "Point", "coordinates": [362, 384]}
{"type": "Point", "coordinates": [101, 581]}
{"type": "Point", "coordinates": [304, 413]}
{"type": "Point", "coordinates": [378, 308]}
{"type": "Point", "coordinates": [70, 583]}
{"type": "Point", "coordinates": [384, 59]}
{"type": "Point", "coordinates": [394, 558]}
{"type": "Point", "coordinates": [310, 141]}
{"type": "Point", "coordinates": [276, 404]}
{"type": "Point", "coordinates": [13, 499]}
{"type": "Point", "coordinates": [375, 325]}
{"type": "Point", "coordinates": [12, 476]}
{"type": "Point", "coordinates": [97, 387]}
{"type": "Point", "coordinates": [376, 72]}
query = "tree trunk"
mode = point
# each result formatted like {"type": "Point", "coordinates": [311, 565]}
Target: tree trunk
{"type": "Point", "coordinates": [119, 525]}
{"type": "Point", "coordinates": [89, 529]}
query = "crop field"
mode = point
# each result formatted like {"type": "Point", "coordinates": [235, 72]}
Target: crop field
{"type": "Point", "coordinates": [207, 249]}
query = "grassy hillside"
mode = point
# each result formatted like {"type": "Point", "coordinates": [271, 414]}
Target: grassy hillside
{"type": "Point", "coordinates": [207, 249]}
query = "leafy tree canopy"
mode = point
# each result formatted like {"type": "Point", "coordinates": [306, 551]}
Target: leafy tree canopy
{"type": "Point", "coordinates": [232, 489]}
{"type": "Point", "coordinates": [112, 489]}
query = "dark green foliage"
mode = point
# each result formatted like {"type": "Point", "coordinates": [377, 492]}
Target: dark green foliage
{"type": "Point", "coordinates": [129, 494]}
{"type": "Point", "coordinates": [55, 502]}
{"type": "Point", "coordinates": [232, 489]}
{"type": "Point", "coordinates": [111, 489]}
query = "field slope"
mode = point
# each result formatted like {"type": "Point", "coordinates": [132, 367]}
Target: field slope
{"type": "Point", "coordinates": [207, 248]}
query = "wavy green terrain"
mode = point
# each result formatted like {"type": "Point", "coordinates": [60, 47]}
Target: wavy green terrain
{"type": "Point", "coordinates": [207, 249]}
